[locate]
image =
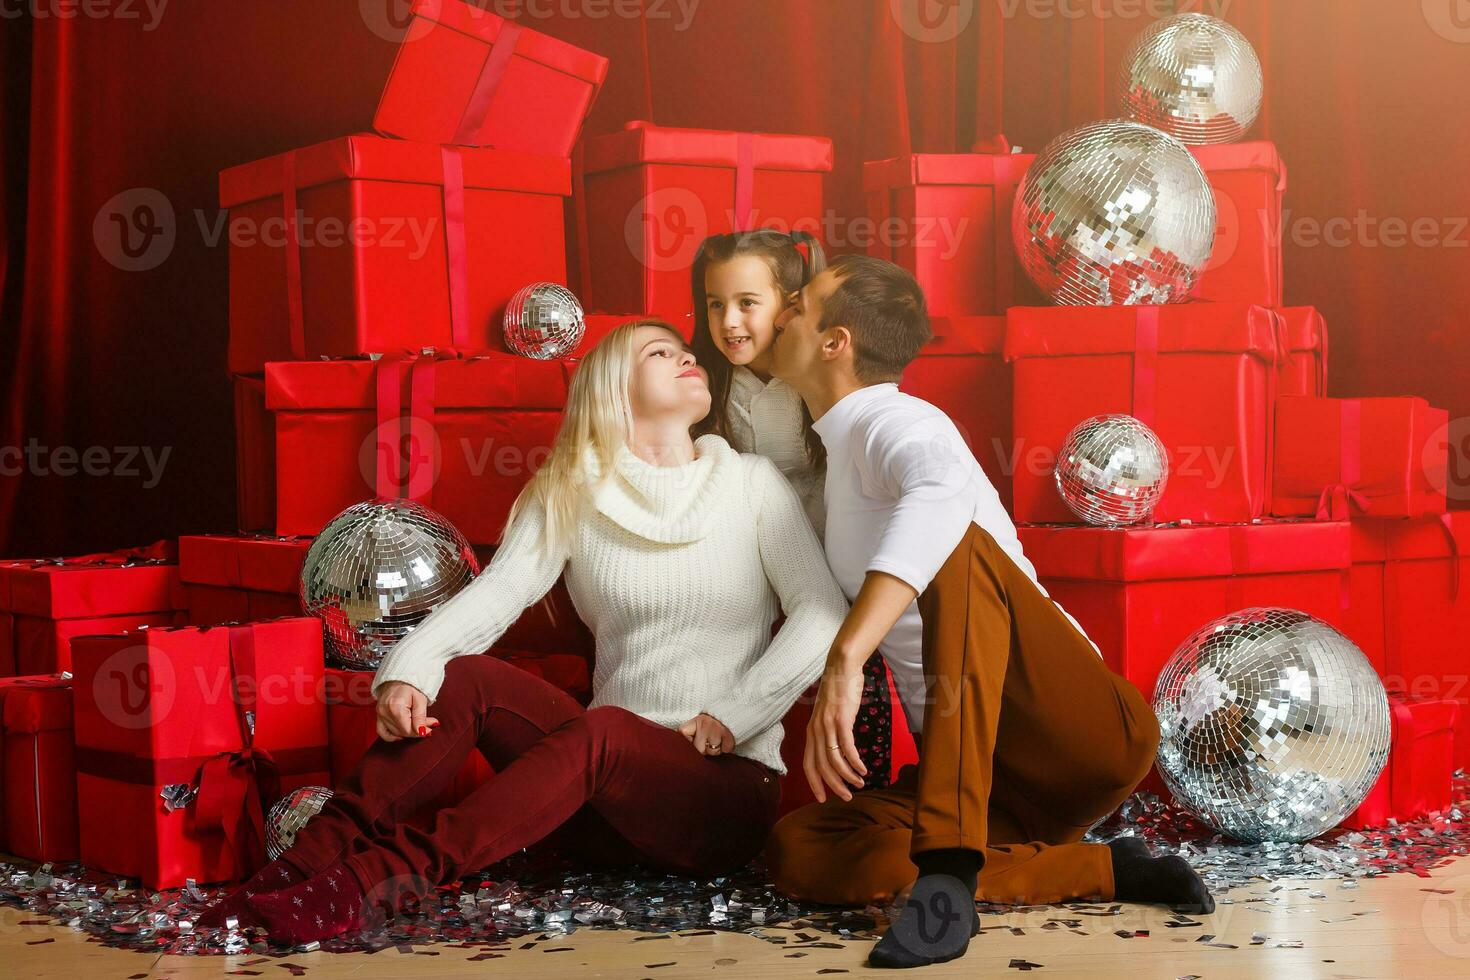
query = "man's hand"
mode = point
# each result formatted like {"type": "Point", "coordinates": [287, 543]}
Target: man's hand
{"type": "Point", "coordinates": [402, 712]}
{"type": "Point", "coordinates": [831, 759]}
{"type": "Point", "coordinates": [708, 734]}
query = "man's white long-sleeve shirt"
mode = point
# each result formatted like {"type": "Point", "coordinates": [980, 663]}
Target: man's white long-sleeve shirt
{"type": "Point", "coordinates": [901, 490]}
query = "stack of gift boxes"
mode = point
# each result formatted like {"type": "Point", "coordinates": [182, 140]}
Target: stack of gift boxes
{"type": "Point", "coordinates": [1278, 495]}
{"type": "Point", "coordinates": [153, 703]}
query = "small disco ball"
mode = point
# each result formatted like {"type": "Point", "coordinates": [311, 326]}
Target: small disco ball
{"type": "Point", "coordinates": [289, 814]}
{"type": "Point", "coordinates": [376, 571]}
{"type": "Point", "coordinates": [544, 321]}
{"type": "Point", "coordinates": [1195, 77]}
{"type": "Point", "coordinates": [1114, 214]}
{"type": "Point", "coordinates": [1273, 725]}
{"type": "Point", "coordinates": [1112, 470]}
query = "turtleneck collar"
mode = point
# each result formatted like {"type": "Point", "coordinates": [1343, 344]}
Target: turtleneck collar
{"type": "Point", "coordinates": [667, 504]}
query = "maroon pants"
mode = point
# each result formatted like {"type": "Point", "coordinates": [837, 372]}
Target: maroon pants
{"type": "Point", "coordinates": [609, 786]}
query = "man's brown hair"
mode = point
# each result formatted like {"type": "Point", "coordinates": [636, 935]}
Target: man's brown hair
{"type": "Point", "coordinates": [883, 307]}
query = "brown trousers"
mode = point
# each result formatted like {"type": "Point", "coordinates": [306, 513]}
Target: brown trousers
{"type": "Point", "coordinates": [1028, 740]}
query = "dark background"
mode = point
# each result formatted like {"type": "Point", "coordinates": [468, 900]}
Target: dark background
{"type": "Point", "coordinates": [1366, 98]}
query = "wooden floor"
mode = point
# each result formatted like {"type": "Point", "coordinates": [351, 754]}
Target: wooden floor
{"type": "Point", "coordinates": [1395, 926]}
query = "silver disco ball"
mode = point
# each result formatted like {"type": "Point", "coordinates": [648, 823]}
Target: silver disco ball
{"type": "Point", "coordinates": [1274, 726]}
{"type": "Point", "coordinates": [544, 321]}
{"type": "Point", "coordinates": [1112, 470]}
{"type": "Point", "coordinates": [1114, 214]}
{"type": "Point", "coordinates": [289, 814]}
{"type": "Point", "coordinates": [1195, 77]}
{"type": "Point", "coordinates": [376, 571]}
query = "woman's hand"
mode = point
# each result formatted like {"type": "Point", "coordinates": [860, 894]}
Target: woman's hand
{"type": "Point", "coordinates": [402, 712]}
{"type": "Point", "coordinates": [831, 758]}
{"type": "Point", "coordinates": [708, 733]}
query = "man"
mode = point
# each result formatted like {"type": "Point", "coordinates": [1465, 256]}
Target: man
{"type": "Point", "coordinates": [1026, 739]}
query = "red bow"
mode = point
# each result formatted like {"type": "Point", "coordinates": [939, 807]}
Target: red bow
{"type": "Point", "coordinates": [1338, 501]}
{"type": "Point", "coordinates": [234, 790]}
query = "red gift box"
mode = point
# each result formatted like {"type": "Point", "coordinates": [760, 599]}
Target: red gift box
{"type": "Point", "coordinates": [652, 194]}
{"type": "Point", "coordinates": [1203, 376]}
{"type": "Point", "coordinates": [467, 76]}
{"type": "Point", "coordinates": [50, 601]}
{"type": "Point", "coordinates": [946, 217]}
{"type": "Point", "coordinates": [1412, 601]}
{"type": "Point", "coordinates": [242, 578]}
{"type": "Point", "coordinates": [232, 716]}
{"type": "Point", "coordinates": [1249, 180]}
{"type": "Point", "coordinates": [1140, 592]}
{"type": "Point", "coordinates": [255, 456]}
{"type": "Point", "coordinates": [462, 436]}
{"type": "Point", "coordinates": [963, 371]}
{"type": "Point", "coordinates": [1387, 457]}
{"type": "Point", "coordinates": [1420, 771]}
{"type": "Point", "coordinates": [363, 244]}
{"type": "Point", "coordinates": [40, 787]}
{"type": "Point", "coordinates": [1304, 355]}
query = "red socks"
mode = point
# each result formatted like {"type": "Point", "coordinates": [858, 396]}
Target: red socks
{"type": "Point", "coordinates": [326, 905]}
{"type": "Point", "coordinates": [275, 875]}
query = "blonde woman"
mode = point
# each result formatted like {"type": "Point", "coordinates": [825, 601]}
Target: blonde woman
{"type": "Point", "coordinates": [678, 554]}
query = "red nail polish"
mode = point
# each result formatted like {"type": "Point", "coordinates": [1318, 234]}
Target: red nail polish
{"type": "Point", "coordinates": [423, 729]}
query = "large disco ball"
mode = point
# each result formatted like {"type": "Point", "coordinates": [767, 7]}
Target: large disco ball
{"type": "Point", "coordinates": [1114, 214]}
{"type": "Point", "coordinates": [1112, 470]}
{"type": "Point", "coordinates": [289, 814]}
{"type": "Point", "coordinates": [1274, 726]}
{"type": "Point", "coordinates": [1195, 77]}
{"type": "Point", "coordinates": [544, 321]}
{"type": "Point", "coordinates": [376, 571]}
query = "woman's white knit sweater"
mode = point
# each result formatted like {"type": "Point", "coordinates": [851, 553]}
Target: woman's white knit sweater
{"type": "Point", "coordinates": [679, 572]}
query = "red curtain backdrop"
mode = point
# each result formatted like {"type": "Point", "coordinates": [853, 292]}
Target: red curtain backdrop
{"type": "Point", "coordinates": [122, 369]}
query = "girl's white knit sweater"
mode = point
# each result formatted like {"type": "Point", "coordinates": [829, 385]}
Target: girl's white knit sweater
{"type": "Point", "coordinates": [679, 572]}
{"type": "Point", "coordinates": [766, 418]}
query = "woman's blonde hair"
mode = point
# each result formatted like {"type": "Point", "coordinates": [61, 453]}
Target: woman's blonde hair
{"type": "Point", "coordinates": [597, 421]}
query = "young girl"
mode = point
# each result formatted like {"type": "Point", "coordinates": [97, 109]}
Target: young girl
{"type": "Point", "coordinates": [678, 555]}
{"type": "Point", "coordinates": [741, 283]}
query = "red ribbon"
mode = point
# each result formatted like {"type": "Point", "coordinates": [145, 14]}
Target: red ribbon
{"type": "Point", "coordinates": [477, 107]}
{"type": "Point", "coordinates": [1145, 364]}
{"type": "Point", "coordinates": [454, 247]}
{"type": "Point", "coordinates": [295, 305]}
{"type": "Point", "coordinates": [744, 180]}
{"type": "Point", "coordinates": [1339, 499]}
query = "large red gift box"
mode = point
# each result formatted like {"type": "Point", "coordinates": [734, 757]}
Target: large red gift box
{"type": "Point", "coordinates": [241, 577]}
{"type": "Point", "coordinates": [1140, 592]}
{"type": "Point", "coordinates": [462, 436]}
{"type": "Point", "coordinates": [1203, 376]}
{"type": "Point", "coordinates": [40, 782]}
{"type": "Point", "coordinates": [468, 76]}
{"type": "Point", "coordinates": [1249, 180]}
{"type": "Point", "coordinates": [1304, 357]}
{"type": "Point", "coordinates": [1420, 771]}
{"type": "Point", "coordinates": [255, 456]}
{"type": "Point", "coordinates": [1387, 457]}
{"type": "Point", "coordinates": [364, 244]}
{"type": "Point", "coordinates": [946, 217]}
{"type": "Point", "coordinates": [47, 602]}
{"type": "Point", "coordinates": [184, 739]}
{"type": "Point", "coordinates": [963, 371]}
{"type": "Point", "coordinates": [1411, 598]}
{"type": "Point", "coordinates": [652, 194]}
